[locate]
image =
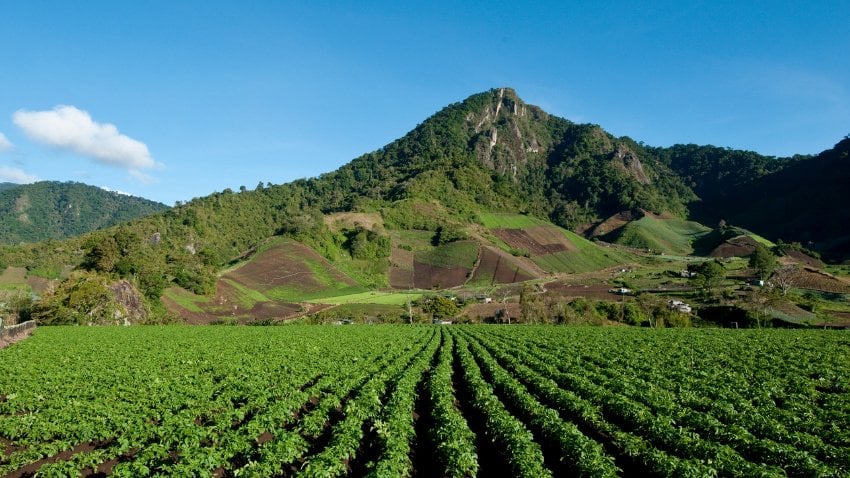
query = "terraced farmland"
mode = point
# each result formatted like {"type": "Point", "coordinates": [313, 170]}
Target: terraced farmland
{"type": "Point", "coordinates": [425, 401]}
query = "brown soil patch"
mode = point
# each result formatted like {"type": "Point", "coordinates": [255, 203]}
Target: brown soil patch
{"type": "Point", "coordinates": [401, 268]}
{"type": "Point", "coordinates": [13, 275]}
{"type": "Point", "coordinates": [401, 278]}
{"type": "Point", "coordinates": [487, 312]}
{"type": "Point", "coordinates": [286, 265]}
{"type": "Point", "coordinates": [289, 264]}
{"type": "Point", "coordinates": [402, 258]}
{"type": "Point", "coordinates": [805, 259]}
{"type": "Point", "coordinates": [611, 224]}
{"type": "Point", "coordinates": [741, 246]}
{"type": "Point", "coordinates": [225, 305]}
{"type": "Point", "coordinates": [590, 291]}
{"type": "Point", "coordinates": [39, 284]}
{"type": "Point", "coordinates": [426, 276]}
{"type": "Point", "coordinates": [350, 220]}
{"type": "Point", "coordinates": [809, 278]}
{"type": "Point", "coordinates": [498, 267]}
{"type": "Point", "coordinates": [523, 239]}
{"type": "Point", "coordinates": [551, 238]}
{"type": "Point", "coordinates": [843, 319]}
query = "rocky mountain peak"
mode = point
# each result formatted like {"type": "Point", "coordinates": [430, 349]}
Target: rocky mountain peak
{"type": "Point", "coordinates": [503, 135]}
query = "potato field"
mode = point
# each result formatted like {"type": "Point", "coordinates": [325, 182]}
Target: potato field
{"type": "Point", "coordinates": [426, 401]}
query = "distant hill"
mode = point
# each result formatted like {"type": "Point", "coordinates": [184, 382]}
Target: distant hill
{"type": "Point", "coordinates": [56, 210]}
{"type": "Point", "coordinates": [806, 201]}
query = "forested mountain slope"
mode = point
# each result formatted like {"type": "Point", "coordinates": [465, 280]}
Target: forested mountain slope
{"type": "Point", "coordinates": [56, 210]}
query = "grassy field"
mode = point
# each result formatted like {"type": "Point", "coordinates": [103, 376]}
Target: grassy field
{"type": "Point", "coordinates": [508, 221]}
{"type": "Point", "coordinates": [187, 300]}
{"type": "Point", "coordinates": [453, 254]}
{"type": "Point", "coordinates": [587, 257]}
{"type": "Point", "coordinates": [671, 236]}
{"type": "Point", "coordinates": [413, 240]}
{"type": "Point", "coordinates": [371, 297]}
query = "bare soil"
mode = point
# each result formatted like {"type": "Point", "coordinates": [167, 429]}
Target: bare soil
{"type": "Point", "coordinates": [813, 279]}
{"type": "Point", "coordinates": [500, 268]}
{"type": "Point", "coordinates": [611, 224]}
{"type": "Point", "coordinates": [528, 240]}
{"type": "Point", "coordinates": [401, 278]}
{"type": "Point", "coordinates": [226, 305]}
{"type": "Point", "coordinates": [485, 312]}
{"type": "Point", "coordinates": [286, 265]}
{"type": "Point", "coordinates": [805, 259]}
{"type": "Point", "coordinates": [426, 276]}
{"type": "Point", "coordinates": [401, 268]}
{"type": "Point", "coordinates": [741, 246]}
{"type": "Point", "coordinates": [590, 291]}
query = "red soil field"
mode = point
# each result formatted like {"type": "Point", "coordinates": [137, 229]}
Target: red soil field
{"type": "Point", "coordinates": [426, 276]}
{"type": "Point", "coordinates": [499, 268]}
{"type": "Point", "coordinates": [400, 278]}
{"type": "Point", "coordinates": [523, 239]}
{"type": "Point", "coordinates": [593, 291]}
{"type": "Point", "coordinates": [816, 280]}
{"type": "Point", "coordinates": [741, 246]}
{"type": "Point", "coordinates": [481, 312]}
{"type": "Point", "coordinates": [804, 259]}
{"type": "Point", "coordinates": [286, 265]}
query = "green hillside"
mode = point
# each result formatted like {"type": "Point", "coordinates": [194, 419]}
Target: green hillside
{"type": "Point", "coordinates": [56, 210]}
{"type": "Point", "coordinates": [670, 236]}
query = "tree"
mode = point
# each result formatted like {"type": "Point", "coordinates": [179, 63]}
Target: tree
{"type": "Point", "coordinates": [709, 274]}
{"type": "Point", "coordinates": [785, 277]}
{"type": "Point", "coordinates": [440, 308]}
{"type": "Point", "coordinates": [447, 234]}
{"type": "Point", "coordinates": [103, 255]}
{"type": "Point", "coordinates": [763, 261]}
{"type": "Point", "coordinates": [84, 298]}
{"type": "Point", "coordinates": [532, 310]}
{"type": "Point", "coordinates": [758, 301]}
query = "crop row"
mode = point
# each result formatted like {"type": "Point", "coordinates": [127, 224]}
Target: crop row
{"type": "Point", "coordinates": [424, 401]}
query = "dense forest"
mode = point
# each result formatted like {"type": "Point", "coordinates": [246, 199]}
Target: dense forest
{"type": "Point", "coordinates": [56, 210]}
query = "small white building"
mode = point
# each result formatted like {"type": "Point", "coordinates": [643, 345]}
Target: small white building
{"type": "Point", "coordinates": [679, 306]}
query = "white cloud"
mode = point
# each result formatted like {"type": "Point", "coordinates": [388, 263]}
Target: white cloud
{"type": "Point", "coordinates": [15, 175]}
{"type": "Point", "coordinates": [5, 144]}
{"type": "Point", "coordinates": [72, 129]}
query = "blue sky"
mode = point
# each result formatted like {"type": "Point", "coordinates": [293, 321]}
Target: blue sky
{"type": "Point", "coordinates": [172, 100]}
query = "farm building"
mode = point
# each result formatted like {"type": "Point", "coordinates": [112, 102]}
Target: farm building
{"type": "Point", "coordinates": [679, 305]}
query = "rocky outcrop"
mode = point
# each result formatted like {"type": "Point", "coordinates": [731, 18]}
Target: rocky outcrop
{"type": "Point", "coordinates": [632, 164]}
{"type": "Point", "coordinates": [503, 136]}
{"type": "Point", "coordinates": [132, 308]}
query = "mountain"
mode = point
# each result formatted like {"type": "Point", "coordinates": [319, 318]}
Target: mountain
{"type": "Point", "coordinates": [805, 201]}
{"type": "Point", "coordinates": [487, 191]}
{"type": "Point", "coordinates": [494, 151]}
{"type": "Point", "coordinates": [56, 210]}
